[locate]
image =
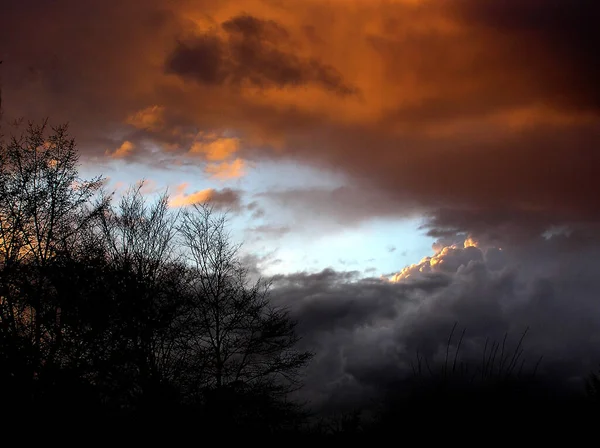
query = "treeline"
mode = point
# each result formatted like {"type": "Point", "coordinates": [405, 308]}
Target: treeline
{"type": "Point", "coordinates": [129, 308]}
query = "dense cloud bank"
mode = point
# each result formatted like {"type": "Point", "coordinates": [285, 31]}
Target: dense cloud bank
{"type": "Point", "coordinates": [483, 109]}
{"type": "Point", "coordinates": [368, 333]}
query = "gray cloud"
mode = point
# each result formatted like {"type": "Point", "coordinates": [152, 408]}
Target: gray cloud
{"type": "Point", "coordinates": [251, 54]}
{"type": "Point", "coordinates": [226, 198]}
{"type": "Point", "coordinates": [367, 332]}
{"type": "Point", "coordinates": [270, 231]}
{"type": "Point", "coordinates": [342, 205]}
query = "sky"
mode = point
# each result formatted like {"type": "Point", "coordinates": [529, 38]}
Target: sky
{"type": "Point", "coordinates": [396, 166]}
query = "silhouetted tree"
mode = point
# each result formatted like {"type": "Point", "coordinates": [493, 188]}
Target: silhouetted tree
{"type": "Point", "coordinates": [44, 210]}
{"type": "Point", "coordinates": [133, 306]}
{"type": "Point", "coordinates": [147, 295]}
{"type": "Point", "coordinates": [243, 345]}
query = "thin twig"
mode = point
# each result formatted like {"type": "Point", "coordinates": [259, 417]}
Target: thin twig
{"type": "Point", "coordinates": [515, 354]}
{"type": "Point", "coordinates": [448, 349]}
{"type": "Point", "coordinates": [483, 364]}
{"type": "Point", "coordinates": [502, 354]}
{"type": "Point", "coordinates": [458, 349]}
{"type": "Point", "coordinates": [537, 365]}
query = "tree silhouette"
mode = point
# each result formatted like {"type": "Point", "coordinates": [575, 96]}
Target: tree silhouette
{"type": "Point", "coordinates": [243, 345]}
{"type": "Point", "coordinates": [44, 210]}
{"type": "Point", "coordinates": [130, 308]}
{"type": "Point", "coordinates": [137, 239]}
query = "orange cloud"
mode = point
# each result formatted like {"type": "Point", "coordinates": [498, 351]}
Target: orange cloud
{"type": "Point", "coordinates": [201, 196]}
{"type": "Point", "coordinates": [126, 149]}
{"type": "Point", "coordinates": [226, 198]}
{"type": "Point", "coordinates": [150, 118]}
{"type": "Point", "coordinates": [226, 170]}
{"type": "Point", "coordinates": [215, 149]}
{"type": "Point", "coordinates": [472, 104]}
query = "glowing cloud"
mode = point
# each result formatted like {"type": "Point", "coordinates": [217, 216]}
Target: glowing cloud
{"type": "Point", "coordinates": [122, 151]}
{"type": "Point", "coordinates": [216, 149]}
{"type": "Point", "coordinates": [226, 170]}
{"type": "Point", "coordinates": [226, 198]}
{"type": "Point", "coordinates": [150, 118]}
{"type": "Point", "coordinates": [197, 197]}
{"type": "Point", "coordinates": [470, 242]}
{"type": "Point", "coordinates": [447, 258]}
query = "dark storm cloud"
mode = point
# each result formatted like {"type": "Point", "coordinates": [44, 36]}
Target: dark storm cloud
{"type": "Point", "coordinates": [331, 299]}
{"type": "Point", "coordinates": [540, 176]}
{"type": "Point", "coordinates": [251, 53]}
{"type": "Point", "coordinates": [254, 28]}
{"type": "Point", "coordinates": [202, 59]}
{"type": "Point", "coordinates": [555, 41]}
{"type": "Point", "coordinates": [366, 333]}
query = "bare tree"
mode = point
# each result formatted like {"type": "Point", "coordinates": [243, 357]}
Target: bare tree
{"type": "Point", "coordinates": [133, 302]}
{"type": "Point", "coordinates": [139, 234]}
{"type": "Point", "coordinates": [44, 209]}
{"type": "Point", "coordinates": [146, 327]}
{"type": "Point", "coordinates": [240, 339]}
{"type": "Point", "coordinates": [44, 203]}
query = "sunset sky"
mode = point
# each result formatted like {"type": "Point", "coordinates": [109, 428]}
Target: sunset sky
{"type": "Point", "coordinates": [397, 165]}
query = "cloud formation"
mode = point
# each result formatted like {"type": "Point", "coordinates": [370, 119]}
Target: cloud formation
{"type": "Point", "coordinates": [214, 148]}
{"type": "Point", "coordinates": [254, 52]}
{"type": "Point", "coordinates": [226, 170]}
{"type": "Point", "coordinates": [122, 151]}
{"type": "Point", "coordinates": [341, 205]}
{"type": "Point", "coordinates": [226, 198]}
{"type": "Point", "coordinates": [367, 332]}
{"type": "Point", "coordinates": [476, 106]}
